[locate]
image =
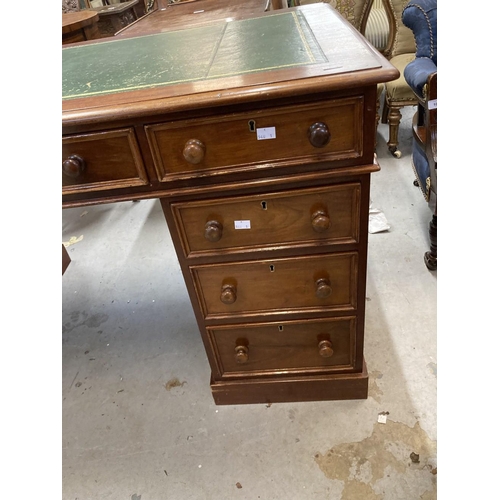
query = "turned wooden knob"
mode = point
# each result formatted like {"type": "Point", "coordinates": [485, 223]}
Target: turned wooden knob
{"type": "Point", "coordinates": [213, 231]}
{"type": "Point", "coordinates": [319, 135]}
{"type": "Point", "coordinates": [228, 294]}
{"type": "Point", "coordinates": [323, 288]}
{"type": "Point", "coordinates": [194, 151]}
{"type": "Point", "coordinates": [241, 354]}
{"type": "Point", "coordinates": [325, 349]}
{"type": "Point", "coordinates": [73, 166]}
{"type": "Point", "coordinates": [320, 220]}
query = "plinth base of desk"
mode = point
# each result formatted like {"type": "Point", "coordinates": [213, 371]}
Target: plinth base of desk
{"type": "Point", "coordinates": [288, 390]}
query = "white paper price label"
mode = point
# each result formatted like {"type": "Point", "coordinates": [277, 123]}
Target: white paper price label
{"type": "Point", "coordinates": [266, 133]}
{"type": "Point", "coordinates": [433, 104]}
{"type": "Point", "coordinates": [241, 224]}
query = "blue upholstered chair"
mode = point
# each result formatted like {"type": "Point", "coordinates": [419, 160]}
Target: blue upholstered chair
{"type": "Point", "coordinates": [421, 75]}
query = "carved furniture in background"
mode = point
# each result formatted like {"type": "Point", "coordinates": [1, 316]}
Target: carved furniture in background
{"type": "Point", "coordinates": [116, 16]}
{"type": "Point", "coordinates": [400, 51]}
{"type": "Point", "coordinates": [421, 74]}
{"type": "Point", "coordinates": [79, 26]}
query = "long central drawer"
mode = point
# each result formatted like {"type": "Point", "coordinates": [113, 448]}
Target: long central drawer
{"type": "Point", "coordinates": [329, 130]}
{"type": "Point", "coordinates": [319, 282]}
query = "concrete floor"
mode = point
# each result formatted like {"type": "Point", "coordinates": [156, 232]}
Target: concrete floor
{"type": "Point", "coordinates": [139, 421]}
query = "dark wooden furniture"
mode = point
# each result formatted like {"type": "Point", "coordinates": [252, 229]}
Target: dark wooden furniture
{"type": "Point", "coordinates": [115, 17]}
{"type": "Point", "coordinates": [262, 164]}
{"type": "Point", "coordinates": [140, 8]}
{"type": "Point", "coordinates": [79, 26]}
{"type": "Point", "coordinates": [425, 144]}
{"type": "Point", "coordinates": [421, 76]}
{"type": "Point", "coordinates": [400, 51]}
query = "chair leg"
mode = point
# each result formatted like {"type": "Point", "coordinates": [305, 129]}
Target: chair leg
{"type": "Point", "coordinates": [394, 119]}
{"type": "Point", "coordinates": [385, 111]}
{"type": "Point", "coordinates": [430, 257]}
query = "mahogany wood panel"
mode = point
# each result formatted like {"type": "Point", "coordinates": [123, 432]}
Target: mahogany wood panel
{"type": "Point", "coordinates": [291, 129]}
{"type": "Point", "coordinates": [108, 160]}
{"type": "Point", "coordinates": [316, 346]}
{"type": "Point", "coordinates": [283, 390]}
{"type": "Point", "coordinates": [277, 286]}
{"type": "Point", "coordinates": [183, 14]}
{"type": "Point", "coordinates": [305, 217]}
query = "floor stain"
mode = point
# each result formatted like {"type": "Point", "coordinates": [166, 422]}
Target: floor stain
{"type": "Point", "coordinates": [174, 382]}
{"type": "Point", "coordinates": [374, 390]}
{"type": "Point", "coordinates": [370, 468]}
{"type": "Point", "coordinates": [83, 319]}
{"type": "Point", "coordinates": [433, 368]}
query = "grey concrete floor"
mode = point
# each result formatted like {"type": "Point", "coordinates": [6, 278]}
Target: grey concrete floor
{"type": "Point", "coordinates": [138, 419]}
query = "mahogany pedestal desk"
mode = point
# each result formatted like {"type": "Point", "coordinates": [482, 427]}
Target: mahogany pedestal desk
{"type": "Point", "coordinates": [257, 135]}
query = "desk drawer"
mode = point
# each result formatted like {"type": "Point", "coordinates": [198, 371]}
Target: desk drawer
{"type": "Point", "coordinates": [301, 217]}
{"type": "Point", "coordinates": [319, 282]}
{"type": "Point", "coordinates": [260, 349]}
{"type": "Point", "coordinates": [229, 143]}
{"type": "Point", "coordinates": [102, 160]}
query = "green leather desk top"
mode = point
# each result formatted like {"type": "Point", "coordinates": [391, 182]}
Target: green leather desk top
{"type": "Point", "coordinates": [158, 68]}
{"type": "Point", "coordinates": [208, 52]}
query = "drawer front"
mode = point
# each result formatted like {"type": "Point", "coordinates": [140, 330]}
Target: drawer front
{"type": "Point", "coordinates": [312, 346]}
{"type": "Point", "coordinates": [319, 282]}
{"type": "Point", "coordinates": [303, 217]}
{"type": "Point", "coordinates": [103, 160]}
{"type": "Point", "coordinates": [199, 147]}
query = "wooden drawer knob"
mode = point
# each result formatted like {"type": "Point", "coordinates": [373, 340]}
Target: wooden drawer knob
{"type": "Point", "coordinates": [73, 166]}
{"type": "Point", "coordinates": [319, 135]}
{"type": "Point", "coordinates": [241, 354]}
{"type": "Point", "coordinates": [194, 151]}
{"type": "Point", "coordinates": [320, 220]}
{"type": "Point", "coordinates": [213, 231]}
{"type": "Point", "coordinates": [228, 294]}
{"type": "Point", "coordinates": [323, 288]}
{"type": "Point", "coordinates": [325, 349]}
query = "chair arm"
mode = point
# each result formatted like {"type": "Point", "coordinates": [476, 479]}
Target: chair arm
{"type": "Point", "coordinates": [421, 17]}
{"type": "Point", "coordinates": [417, 73]}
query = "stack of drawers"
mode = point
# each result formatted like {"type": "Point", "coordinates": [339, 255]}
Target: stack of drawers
{"type": "Point", "coordinates": [276, 272]}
